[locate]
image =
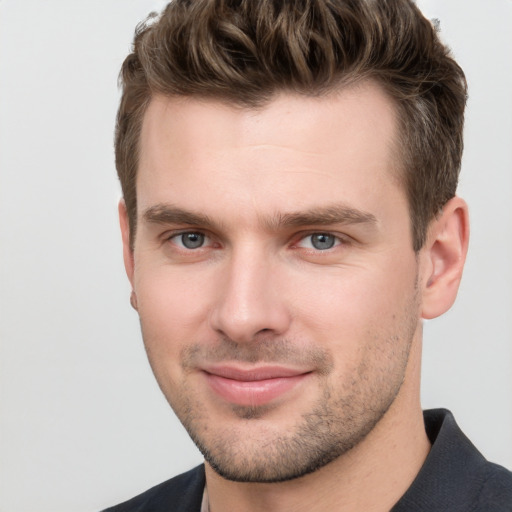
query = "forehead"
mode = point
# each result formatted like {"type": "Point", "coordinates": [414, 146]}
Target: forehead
{"type": "Point", "coordinates": [288, 152]}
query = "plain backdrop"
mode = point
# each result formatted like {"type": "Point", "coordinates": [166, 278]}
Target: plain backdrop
{"type": "Point", "coordinates": [83, 424]}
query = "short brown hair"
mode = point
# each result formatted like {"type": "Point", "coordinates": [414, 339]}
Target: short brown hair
{"type": "Point", "coordinates": [244, 51]}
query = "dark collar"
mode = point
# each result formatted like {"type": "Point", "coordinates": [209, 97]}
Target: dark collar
{"type": "Point", "coordinates": [455, 476]}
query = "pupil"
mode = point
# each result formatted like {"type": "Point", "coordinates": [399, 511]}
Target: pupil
{"type": "Point", "coordinates": [192, 240]}
{"type": "Point", "coordinates": [321, 241]}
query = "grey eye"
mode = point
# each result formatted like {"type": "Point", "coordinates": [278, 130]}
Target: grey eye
{"type": "Point", "coordinates": [323, 241]}
{"type": "Point", "coordinates": [192, 240]}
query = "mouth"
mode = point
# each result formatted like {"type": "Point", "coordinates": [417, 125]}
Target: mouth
{"type": "Point", "coordinates": [255, 386]}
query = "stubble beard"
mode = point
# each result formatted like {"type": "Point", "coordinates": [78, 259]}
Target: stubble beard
{"type": "Point", "coordinates": [319, 437]}
{"type": "Point", "coordinates": [339, 419]}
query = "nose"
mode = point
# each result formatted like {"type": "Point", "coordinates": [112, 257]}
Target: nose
{"type": "Point", "coordinates": [250, 302]}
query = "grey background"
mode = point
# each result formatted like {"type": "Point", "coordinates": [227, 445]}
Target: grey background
{"type": "Point", "coordinates": [82, 423]}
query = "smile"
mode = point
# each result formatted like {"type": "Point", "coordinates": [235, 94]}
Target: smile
{"type": "Point", "coordinates": [253, 387]}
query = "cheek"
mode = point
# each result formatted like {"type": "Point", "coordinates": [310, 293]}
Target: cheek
{"type": "Point", "coordinates": [347, 305]}
{"type": "Point", "coordinates": [172, 297]}
{"type": "Point", "coordinates": [173, 309]}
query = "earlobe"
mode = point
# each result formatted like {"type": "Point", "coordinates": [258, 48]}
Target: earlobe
{"type": "Point", "coordinates": [125, 233]}
{"type": "Point", "coordinates": [133, 301]}
{"type": "Point", "coordinates": [445, 254]}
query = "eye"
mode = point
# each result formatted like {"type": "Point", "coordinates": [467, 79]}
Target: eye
{"type": "Point", "coordinates": [319, 241]}
{"type": "Point", "coordinates": [189, 240]}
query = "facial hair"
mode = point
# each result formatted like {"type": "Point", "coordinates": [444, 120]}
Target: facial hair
{"type": "Point", "coordinates": [341, 417]}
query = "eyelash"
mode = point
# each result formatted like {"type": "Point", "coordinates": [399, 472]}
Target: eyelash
{"type": "Point", "coordinates": [174, 236]}
{"type": "Point", "coordinates": [337, 240]}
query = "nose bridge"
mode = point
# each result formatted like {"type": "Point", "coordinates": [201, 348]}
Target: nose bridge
{"type": "Point", "coordinates": [249, 302]}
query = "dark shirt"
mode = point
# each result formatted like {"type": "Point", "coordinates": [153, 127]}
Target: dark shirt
{"type": "Point", "coordinates": [454, 478]}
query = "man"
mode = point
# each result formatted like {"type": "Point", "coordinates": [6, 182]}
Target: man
{"type": "Point", "coordinates": [289, 217]}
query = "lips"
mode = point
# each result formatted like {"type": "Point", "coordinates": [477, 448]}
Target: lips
{"type": "Point", "coordinates": [255, 386]}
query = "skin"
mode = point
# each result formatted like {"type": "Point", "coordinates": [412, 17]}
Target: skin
{"type": "Point", "coordinates": [251, 187]}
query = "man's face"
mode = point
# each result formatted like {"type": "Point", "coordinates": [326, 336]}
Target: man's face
{"type": "Point", "coordinates": [274, 274]}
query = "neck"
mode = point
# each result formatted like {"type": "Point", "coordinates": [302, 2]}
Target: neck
{"type": "Point", "coordinates": [371, 477]}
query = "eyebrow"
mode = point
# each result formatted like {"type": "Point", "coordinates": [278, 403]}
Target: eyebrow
{"type": "Point", "coordinates": [323, 216]}
{"type": "Point", "coordinates": [168, 214]}
{"type": "Point", "coordinates": [320, 216]}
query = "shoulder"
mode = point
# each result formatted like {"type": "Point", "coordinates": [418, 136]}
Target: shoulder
{"type": "Point", "coordinates": [496, 491]}
{"type": "Point", "coordinates": [181, 493]}
{"type": "Point", "coordinates": [455, 476]}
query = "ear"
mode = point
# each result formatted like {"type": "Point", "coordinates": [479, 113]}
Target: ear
{"type": "Point", "coordinates": [444, 256]}
{"type": "Point", "coordinates": [125, 233]}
